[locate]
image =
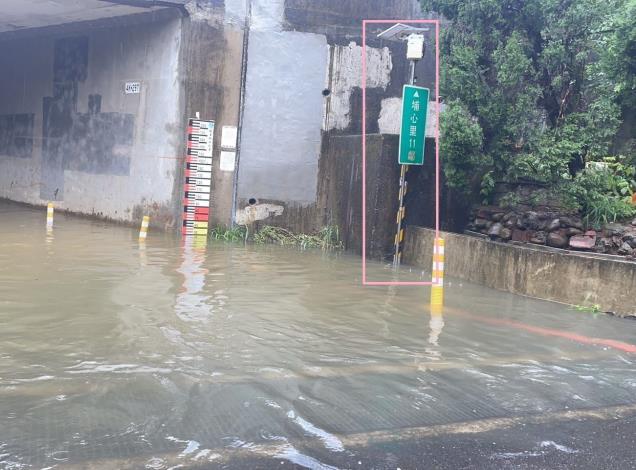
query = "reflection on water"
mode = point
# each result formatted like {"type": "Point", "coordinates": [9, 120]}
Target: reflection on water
{"type": "Point", "coordinates": [120, 354]}
{"type": "Point", "coordinates": [436, 325]}
{"type": "Point", "coordinates": [143, 256]}
{"type": "Point", "coordinates": [192, 304]}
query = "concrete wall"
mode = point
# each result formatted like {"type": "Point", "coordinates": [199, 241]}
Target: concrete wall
{"type": "Point", "coordinates": [211, 65]}
{"type": "Point", "coordinates": [339, 195]}
{"type": "Point", "coordinates": [287, 73]}
{"type": "Point", "coordinates": [95, 149]}
{"type": "Point", "coordinates": [280, 142]}
{"type": "Point", "coordinates": [340, 191]}
{"type": "Point", "coordinates": [557, 275]}
{"type": "Point", "coordinates": [304, 92]}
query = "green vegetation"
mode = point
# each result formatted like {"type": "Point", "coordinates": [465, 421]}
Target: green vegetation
{"type": "Point", "coordinates": [328, 238]}
{"type": "Point", "coordinates": [605, 190]}
{"type": "Point", "coordinates": [233, 234]}
{"type": "Point", "coordinates": [536, 91]}
{"type": "Point", "coordinates": [594, 308]}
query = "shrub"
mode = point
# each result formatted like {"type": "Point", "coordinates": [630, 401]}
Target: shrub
{"type": "Point", "coordinates": [604, 191]}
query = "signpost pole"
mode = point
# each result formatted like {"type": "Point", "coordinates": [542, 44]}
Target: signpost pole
{"type": "Point", "coordinates": [399, 236]}
{"type": "Point", "coordinates": [413, 125]}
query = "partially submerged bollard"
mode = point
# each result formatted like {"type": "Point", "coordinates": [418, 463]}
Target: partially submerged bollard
{"type": "Point", "coordinates": [143, 231]}
{"type": "Point", "coordinates": [437, 289]}
{"type": "Point", "coordinates": [49, 216]}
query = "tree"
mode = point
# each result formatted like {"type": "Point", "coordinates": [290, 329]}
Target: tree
{"type": "Point", "coordinates": [536, 84]}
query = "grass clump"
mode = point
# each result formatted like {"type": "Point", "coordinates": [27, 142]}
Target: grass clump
{"type": "Point", "coordinates": [594, 308]}
{"type": "Point", "coordinates": [234, 234]}
{"type": "Point", "coordinates": [328, 238]}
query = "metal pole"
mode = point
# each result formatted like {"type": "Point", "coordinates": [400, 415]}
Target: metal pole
{"type": "Point", "coordinates": [241, 106]}
{"type": "Point", "coordinates": [399, 236]}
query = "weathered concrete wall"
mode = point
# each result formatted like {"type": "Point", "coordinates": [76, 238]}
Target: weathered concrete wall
{"type": "Point", "coordinates": [339, 194]}
{"type": "Point", "coordinates": [93, 148]}
{"type": "Point", "coordinates": [283, 113]}
{"type": "Point", "coordinates": [25, 79]}
{"type": "Point", "coordinates": [560, 276]}
{"type": "Point", "coordinates": [76, 138]}
{"type": "Point", "coordinates": [300, 144]}
{"type": "Point", "coordinates": [340, 191]}
{"type": "Point", "coordinates": [209, 72]}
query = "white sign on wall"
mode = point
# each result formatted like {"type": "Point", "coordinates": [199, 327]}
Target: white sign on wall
{"type": "Point", "coordinates": [132, 88]}
{"type": "Point", "coordinates": [227, 160]}
{"type": "Point", "coordinates": [228, 137]}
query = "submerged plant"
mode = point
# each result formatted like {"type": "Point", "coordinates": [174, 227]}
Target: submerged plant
{"type": "Point", "coordinates": [328, 238]}
{"type": "Point", "coordinates": [594, 308]}
{"type": "Point", "coordinates": [232, 234]}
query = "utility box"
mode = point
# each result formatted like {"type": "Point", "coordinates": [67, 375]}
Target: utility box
{"type": "Point", "coordinates": [415, 47]}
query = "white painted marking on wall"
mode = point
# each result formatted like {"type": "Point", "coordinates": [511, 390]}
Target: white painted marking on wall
{"type": "Point", "coordinates": [267, 15]}
{"type": "Point", "coordinates": [391, 115]}
{"type": "Point", "coordinates": [235, 11]}
{"type": "Point", "coordinates": [347, 74]}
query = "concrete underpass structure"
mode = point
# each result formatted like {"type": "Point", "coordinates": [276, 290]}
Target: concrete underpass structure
{"type": "Point", "coordinates": [95, 98]}
{"type": "Point", "coordinates": [71, 134]}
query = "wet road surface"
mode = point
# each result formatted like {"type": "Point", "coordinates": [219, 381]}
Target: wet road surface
{"type": "Point", "coordinates": [115, 355]}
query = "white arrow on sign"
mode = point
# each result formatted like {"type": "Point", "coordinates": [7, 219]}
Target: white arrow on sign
{"type": "Point", "coordinates": [416, 94]}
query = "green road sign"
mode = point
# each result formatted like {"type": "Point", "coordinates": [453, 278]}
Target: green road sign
{"type": "Point", "coordinates": [413, 131]}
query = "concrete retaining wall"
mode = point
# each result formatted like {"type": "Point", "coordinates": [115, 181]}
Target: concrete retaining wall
{"type": "Point", "coordinates": [561, 276]}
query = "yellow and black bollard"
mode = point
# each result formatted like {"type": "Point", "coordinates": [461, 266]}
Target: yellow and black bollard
{"type": "Point", "coordinates": [437, 289]}
{"type": "Point", "coordinates": [143, 231]}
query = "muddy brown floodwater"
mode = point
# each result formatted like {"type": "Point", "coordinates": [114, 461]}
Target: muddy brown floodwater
{"type": "Point", "coordinates": [115, 355]}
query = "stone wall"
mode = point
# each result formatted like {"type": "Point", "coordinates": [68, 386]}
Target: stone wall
{"type": "Point", "coordinates": [555, 229]}
{"type": "Point", "coordinates": [540, 272]}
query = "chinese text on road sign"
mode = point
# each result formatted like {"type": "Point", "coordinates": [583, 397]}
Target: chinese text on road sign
{"type": "Point", "coordinates": [413, 130]}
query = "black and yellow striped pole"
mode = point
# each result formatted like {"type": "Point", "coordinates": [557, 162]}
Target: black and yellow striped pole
{"type": "Point", "coordinates": [399, 235]}
{"type": "Point", "coordinates": [401, 213]}
{"type": "Point", "coordinates": [413, 120]}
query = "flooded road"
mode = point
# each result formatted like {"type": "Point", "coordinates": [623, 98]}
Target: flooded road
{"type": "Point", "coordinates": [115, 355]}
